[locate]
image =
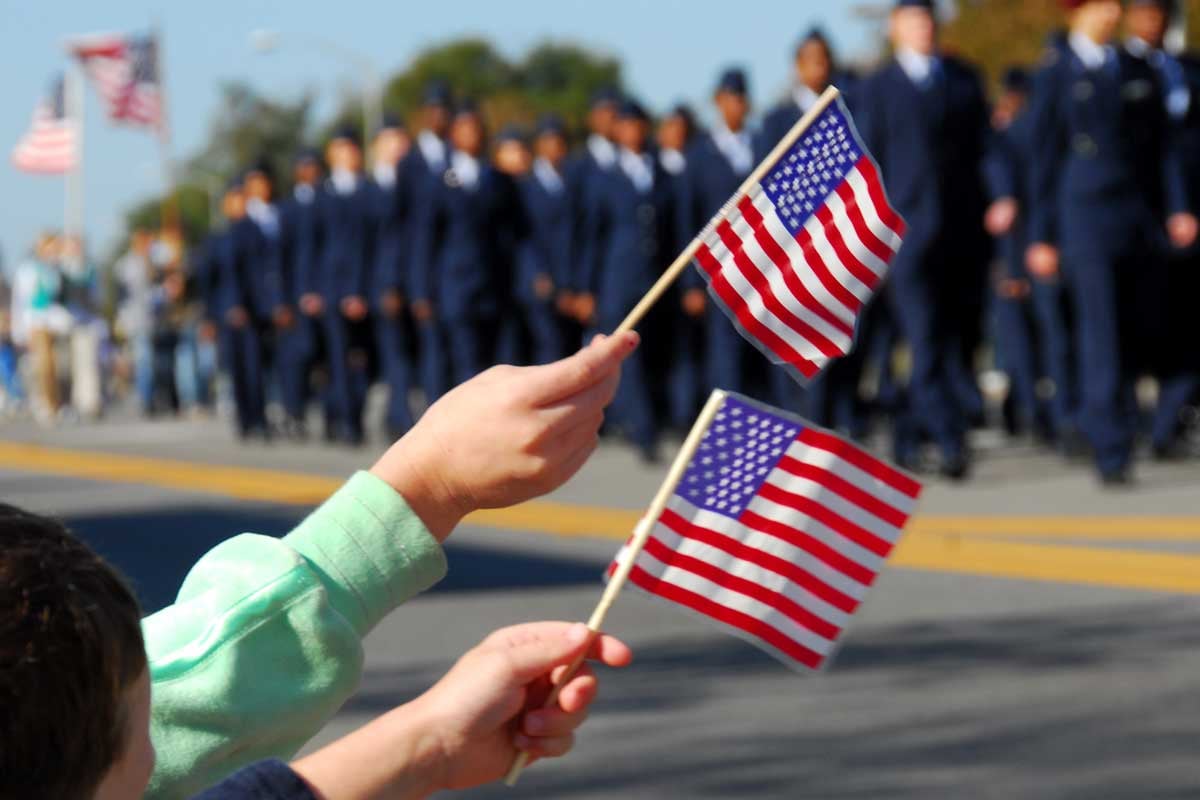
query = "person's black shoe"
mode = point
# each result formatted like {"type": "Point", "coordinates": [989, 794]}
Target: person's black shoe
{"type": "Point", "coordinates": [1169, 452]}
{"type": "Point", "coordinates": [1119, 478]}
{"type": "Point", "coordinates": [649, 455]}
{"type": "Point", "coordinates": [956, 467]}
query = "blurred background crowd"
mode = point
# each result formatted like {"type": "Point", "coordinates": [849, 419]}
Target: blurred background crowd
{"type": "Point", "coordinates": [466, 215]}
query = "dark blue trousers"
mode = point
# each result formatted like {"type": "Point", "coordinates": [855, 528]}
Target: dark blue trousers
{"type": "Point", "coordinates": [297, 351]}
{"type": "Point", "coordinates": [433, 370]}
{"type": "Point", "coordinates": [242, 353]}
{"type": "Point", "coordinates": [1100, 257]}
{"type": "Point", "coordinates": [396, 369]}
{"type": "Point", "coordinates": [348, 346]}
{"type": "Point", "coordinates": [545, 331]}
{"type": "Point", "coordinates": [685, 370]}
{"type": "Point", "coordinates": [473, 344]}
{"type": "Point", "coordinates": [1016, 354]}
{"type": "Point", "coordinates": [1052, 315]}
{"type": "Point", "coordinates": [633, 406]}
{"type": "Point", "coordinates": [931, 405]}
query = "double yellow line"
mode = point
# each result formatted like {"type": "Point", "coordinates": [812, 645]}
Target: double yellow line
{"type": "Point", "coordinates": [997, 546]}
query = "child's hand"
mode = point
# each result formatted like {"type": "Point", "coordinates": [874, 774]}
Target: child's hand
{"type": "Point", "coordinates": [508, 435]}
{"type": "Point", "coordinates": [489, 705]}
{"type": "Point", "coordinates": [468, 728]}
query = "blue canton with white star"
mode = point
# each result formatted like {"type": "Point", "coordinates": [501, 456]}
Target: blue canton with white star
{"type": "Point", "coordinates": [739, 450]}
{"type": "Point", "coordinates": [813, 168]}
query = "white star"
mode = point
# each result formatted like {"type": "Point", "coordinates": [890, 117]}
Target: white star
{"type": "Point", "coordinates": [708, 501]}
{"type": "Point", "coordinates": [763, 471]}
{"type": "Point", "coordinates": [706, 461]}
{"type": "Point", "coordinates": [710, 489]}
{"type": "Point", "coordinates": [737, 412]}
{"type": "Point", "coordinates": [721, 504]}
{"type": "Point", "coordinates": [777, 452]}
{"type": "Point", "coordinates": [735, 509]}
{"type": "Point", "coordinates": [708, 476]}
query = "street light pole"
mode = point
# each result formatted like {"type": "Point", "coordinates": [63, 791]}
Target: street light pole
{"type": "Point", "coordinates": [370, 77]}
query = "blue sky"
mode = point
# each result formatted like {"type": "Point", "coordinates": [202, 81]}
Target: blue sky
{"type": "Point", "coordinates": [671, 49]}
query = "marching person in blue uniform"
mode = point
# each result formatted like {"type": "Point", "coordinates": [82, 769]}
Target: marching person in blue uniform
{"type": "Point", "coordinates": [1106, 193]}
{"type": "Point", "coordinates": [1013, 312]}
{"type": "Point", "coordinates": [684, 310]}
{"type": "Point", "coordinates": [722, 159]}
{"type": "Point", "coordinates": [348, 225]}
{"type": "Point", "coordinates": [629, 240]}
{"type": "Point", "coordinates": [925, 119]}
{"type": "Point", "coordinates": [263, 240]}
{"type": "Point", "coordinates": [1173, 341]}
{"type": "Point", "coordinates": [544, 260]}
{"type": "Point", "coordinates": [389, 275]}
{"type": "Point", "coordinates": [235, 305]}
{"type": "Point", "coordinates": [815, 71]}
{"type": "Point", "coordinates": [301, 345]}
{"type": "Point", "coordinates": [587, 173]}
{"type": "Point", "coordinates": [463, 246]}
{"type": "Point", "coordinates": [423, 172]}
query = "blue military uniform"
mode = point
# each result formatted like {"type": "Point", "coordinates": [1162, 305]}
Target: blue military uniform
{"type": "Point", "coordinates": [928, 133]}
{"type": "Point", "coordinates": [631, 230]}
{"type": "Point", "coordinates": [347, 219]}
{"type": "Point", "coordinates": [389, 276]}
{"type": "Point", "coordinates": [1104, 181]}
{"type": "Point", "coordinates": [235, 287]}
{"type": "Point", "coordinates": [546, 252]}
{"type": "Point", "coordinates": [587, 173]}
{"type": "Point", "coordinates": [685, 337]}
{"type": "Point", "coordinates": [1018, 343]}
{"type": "Point", "coordinates": [302, 346]}
{"type": "Point", "coordinates": [463, 250]}
{"type": "Point", "coordinates": [1172, 341]}
{"type": "Point", "coordinates": [424, 170]}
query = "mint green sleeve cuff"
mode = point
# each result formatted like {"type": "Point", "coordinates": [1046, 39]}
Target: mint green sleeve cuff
{"type": "Point", "coordinates": [370, 550]}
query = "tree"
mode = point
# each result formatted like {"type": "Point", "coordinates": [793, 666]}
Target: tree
{"type": "Point", "coordinates": [996, 34]}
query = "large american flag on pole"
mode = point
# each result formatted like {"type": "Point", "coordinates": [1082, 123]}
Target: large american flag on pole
{"type": "Point", "coordinates": [776, 530]}
{"type": "Point", "coordinates": [49, 146]}
{"type": "Point", "coordinates": [794, 260]}
{"type": "Point", "coordinates": [125, 71]}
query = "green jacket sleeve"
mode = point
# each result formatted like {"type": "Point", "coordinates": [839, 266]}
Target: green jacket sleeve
{"type": "Point", "coordinates": [264, 642]}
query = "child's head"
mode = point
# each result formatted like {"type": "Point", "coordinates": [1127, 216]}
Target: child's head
{"type": "Point", "coordinates": [74, 688]}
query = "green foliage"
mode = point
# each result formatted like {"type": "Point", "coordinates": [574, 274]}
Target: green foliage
{"type": "Point", "coordinates": [549, 78]}
{"type": "Point", "coordinates": [189, 202]}
{"type": "Point", "coordinates": [996, 34]}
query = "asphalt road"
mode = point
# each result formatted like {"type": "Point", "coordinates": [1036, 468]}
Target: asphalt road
{"type": "Point", "coordinates": [1023, 646]}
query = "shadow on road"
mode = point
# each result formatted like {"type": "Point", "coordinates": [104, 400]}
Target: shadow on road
{"type": "Point", "coordinates": [156, 549]}
{"type": "Point", "coordinates": [908, 711]}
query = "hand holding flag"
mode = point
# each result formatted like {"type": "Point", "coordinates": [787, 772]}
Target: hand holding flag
{"type": "Point", "coordinates": [770, 526]}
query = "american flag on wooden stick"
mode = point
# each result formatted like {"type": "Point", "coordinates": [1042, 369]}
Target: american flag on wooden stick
{"type": "Point", "coordinates": [125, 71]}
{"type": "Point", "coordinates": [49, 146]}
{"type": "Point", "coordinates": [776, 530]}
{"type": "Point", "coordinates": [793, 260]}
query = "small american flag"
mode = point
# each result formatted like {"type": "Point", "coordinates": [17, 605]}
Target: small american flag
{"type": "Point", "coordinates": [794, 260]}
{"type": "Point", "coordinates": [49, 144]}
{"type": "Point", "coordinates": [125, 72]}
{"type": "Point", "coordinates": [776, 530]}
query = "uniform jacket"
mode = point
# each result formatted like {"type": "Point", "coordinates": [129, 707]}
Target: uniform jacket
{"type": "Point", "coordinates": [548, 247]}
{"type": "Point", "coordinates": [300, 223]}
{"type": "Point", "coordinates": [348, 245]}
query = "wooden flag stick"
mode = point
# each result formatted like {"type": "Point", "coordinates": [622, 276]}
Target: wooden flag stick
{"type": "Point", "coordinates": [641, 533]}
{"type": "Point", "coordinates": [680, 264]}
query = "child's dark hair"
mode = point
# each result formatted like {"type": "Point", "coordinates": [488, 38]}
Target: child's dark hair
{"type": "Point", "coordinates": [70, 649]}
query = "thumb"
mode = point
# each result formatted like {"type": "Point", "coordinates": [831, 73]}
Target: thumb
{"type": "Point", "coordinates": [553, 382]}
{"type": "Point", "coordinates": [533, 650]}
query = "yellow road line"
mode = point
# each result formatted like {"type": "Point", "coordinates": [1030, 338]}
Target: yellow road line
{"type": "Point", "coordinates": [956, 544]}
{"type": "Point", "coordinates": [1123, 528]}
{"type": "Point", "coordinates": [1166, 572]}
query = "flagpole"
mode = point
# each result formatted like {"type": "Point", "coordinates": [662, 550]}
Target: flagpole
{"type": "Point", "coordinates": [170, 205]}
{"type": "Point", "coordinates": [73, 100]}
{"type": "Point", "coordinates": [641, 535]}
{"type": "Point", "coordinates": [685, 258]}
